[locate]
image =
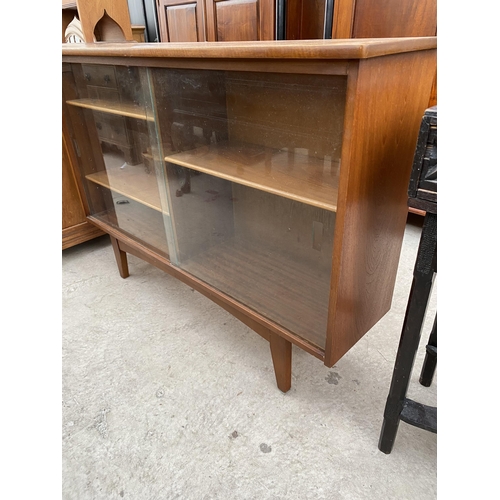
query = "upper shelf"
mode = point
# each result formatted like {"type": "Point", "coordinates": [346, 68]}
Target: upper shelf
{"type": "Point", "coordinates": [114, 108]}
{"type": "Point", "coordinates": [306, 179]}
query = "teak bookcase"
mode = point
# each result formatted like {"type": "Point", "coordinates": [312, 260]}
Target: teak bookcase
{"type": "Point", "coordinates": [269, 176]}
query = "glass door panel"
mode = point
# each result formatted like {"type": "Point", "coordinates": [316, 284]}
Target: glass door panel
{"type": "Point", "coordinates": [112, 117]}
{"type": "Point", "coordinates": [252, 164]}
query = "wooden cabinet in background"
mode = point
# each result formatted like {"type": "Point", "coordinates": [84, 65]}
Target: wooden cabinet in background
{"type": "Point", "coordinates": [75, 226]}
{"type": "Point", "coordinates": [235, 20]}
{"type": "Point", "coordinates": [180, 21]}
{"type": "Point", "coordinates": [216, 20]}
{"type": "Point", "coordinates": [384, 18]}
{"type": "Point", "coordinates": [307, 19]}
{"type": "Point", "coordinates": [312, 19]}
{"type": "Point", "coordinates": [112, 131]}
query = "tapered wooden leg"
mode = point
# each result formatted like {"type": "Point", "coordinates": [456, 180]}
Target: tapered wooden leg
{"type": "Point", "coordinates": [281, 351]}
{"type": "Point", "coordinates": [121, 258]}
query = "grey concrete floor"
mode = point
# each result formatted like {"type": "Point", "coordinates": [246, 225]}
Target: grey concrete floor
{"type": "Point", "coordinates": [166, 396]}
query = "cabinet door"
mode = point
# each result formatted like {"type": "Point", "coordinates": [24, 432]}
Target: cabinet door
{"type": "Point", "coordinates": [384, 18]}
{"type": "Point", "coordinates": [181, 21]}
{"type": "Point", "coordinates": [239, 20]}
{"type": "Point", "coordinates": [252, 176]}
{"type": "Point", "coordinates": [119, 158]}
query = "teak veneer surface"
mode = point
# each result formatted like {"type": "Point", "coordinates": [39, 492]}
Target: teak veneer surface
{"type": "Point", "coordinates": [279, 49]}
{"type": "Point", "coordinates": [373, 184]}
{"type": "Point", "coordinates": [385, 98]}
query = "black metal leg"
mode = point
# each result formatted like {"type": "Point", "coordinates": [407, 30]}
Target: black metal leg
{"type": "Point", "coordinates": [430, 361]}
{"type": "Point", "coordinates": [423, 278]}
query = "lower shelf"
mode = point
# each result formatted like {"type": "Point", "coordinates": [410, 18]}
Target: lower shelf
{"type": "Point", "coordinates": [140, 223]}
{"type": "Point", "coordinates": [284, 290]}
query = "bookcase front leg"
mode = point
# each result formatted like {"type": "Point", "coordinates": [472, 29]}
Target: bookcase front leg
{"type": "Point", "coordinates": [281, 352]}
{"type": "Point", "coordinates": [121, 258]}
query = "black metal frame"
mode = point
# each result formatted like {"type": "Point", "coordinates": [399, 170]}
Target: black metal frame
{"type": "Point", "coordinates": [422, 193]}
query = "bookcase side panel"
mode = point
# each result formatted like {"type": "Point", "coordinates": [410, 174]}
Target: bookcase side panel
{"type": "Point", "coordinates": [391, 94]}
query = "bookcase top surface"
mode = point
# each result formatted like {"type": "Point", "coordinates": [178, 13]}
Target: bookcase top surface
{"type": "Point", "coordinates": [359, 48]}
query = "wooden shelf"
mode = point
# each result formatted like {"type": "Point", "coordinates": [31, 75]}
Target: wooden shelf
{"type": "Point", "coordinates": [298, 177]}
{"type": "Point", "coordinates": [113, 108]}
{"type": "Point", "coordinates": [285, 290]}
{"type": "Point", "coordinates": [133, 182]}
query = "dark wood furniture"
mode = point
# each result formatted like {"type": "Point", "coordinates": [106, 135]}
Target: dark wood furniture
{"type": "Point", "coordinates": [422, 194]}
{"type": "Point", "coordinates": [274, 176]}
{"type": "Point", "coordinates": [75, 226]}
{"type": "Point", "coordinates": [103, 84]}
{"type": "Point", "coordinates": [216, 20]}
{"type": "Point", "coordinates": [180, 21]}
{"type": "Point", "coordinates": [388, 18]}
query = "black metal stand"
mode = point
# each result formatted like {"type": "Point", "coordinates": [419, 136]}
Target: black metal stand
{"type": "Point", "coordinates": [398, 406]}
{"type": "Point", "coordinates": [430, 360]}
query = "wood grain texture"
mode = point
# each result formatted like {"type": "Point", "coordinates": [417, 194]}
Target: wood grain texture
{"type": "Point", "coordinates": [75, 227]}
{"type": "Point", "coordinates": [279, 49]}
{"type": "Point", "coordinates": [293, 112]}
{"type": "Point", "coordinates": [114, 108]}
{"type": "Point", "coordinates": [433, 97]}
{"type": "Point", "coordinates": [281, 352]}
{"type": "Point", "coordinates": [386, 101]}
{"type": "Point", "coordinates": [305, 19]}
{"type": "Point", "coordinates": [74, 235]}
{"type": "Point", "coordinates": [343, 18]}
{"type": "Point", "coordinates": [386, 97]}
{"type": "Point", "coordinates": [181, 20]}
{"type": "Point", "coordinates": [138, 33]}
{"type": "Point", "coordinates": [237, 20]}
{"type": "Point", "coordinates": [92, 13]}
{"type": "Point", "coordinates": [121, 258]}
{"type": "Point", "coordinates": [293, 176]}
{"type": "Point", "coordinates": [132, 182]}
{"type": "Point", "coordinates": [384, 18]}
{"type": "Point", "coordinates": [394, 18]}
{"type": "Point", "coordinates": [73, 212]}
{"type": "Point", "coordinates": [240, 20]}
